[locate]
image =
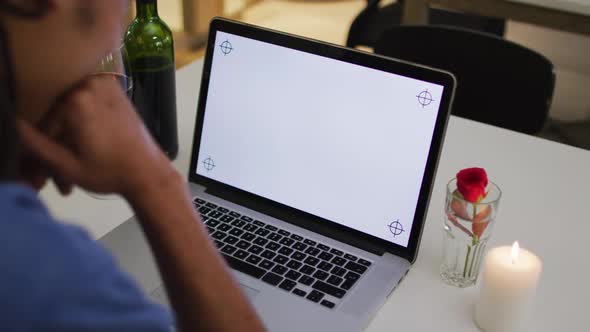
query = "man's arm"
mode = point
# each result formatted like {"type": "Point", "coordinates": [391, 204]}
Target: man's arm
{"type": "Point", "coordinates": [95, 140]}
{"type": "Point", "coordinates": [199, 285]}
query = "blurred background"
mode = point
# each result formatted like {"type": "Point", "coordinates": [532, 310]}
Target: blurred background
{"type": "Point", "coordinates": [330, 20]}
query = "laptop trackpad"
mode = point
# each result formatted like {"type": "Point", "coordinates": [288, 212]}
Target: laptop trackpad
{"type": "Point", "coordinates": [159, 295]}
{"type": "Point", "coordinates": [250, 292]}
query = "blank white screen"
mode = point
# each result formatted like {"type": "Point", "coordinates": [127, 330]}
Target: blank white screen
{"type": "Point", "coordinates": [340, 141]}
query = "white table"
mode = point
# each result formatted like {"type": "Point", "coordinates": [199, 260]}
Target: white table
{"type": "Point", "coordinates": [545, 205]}
{"type": "Point", "coordinates": [566, 15]}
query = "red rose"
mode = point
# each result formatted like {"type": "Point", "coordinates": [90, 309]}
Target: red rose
{"type": "Point", "coordinates": [472, 183]}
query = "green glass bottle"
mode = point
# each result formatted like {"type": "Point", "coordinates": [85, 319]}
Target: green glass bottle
{"type": "Point", "coordinates": [150, 48]}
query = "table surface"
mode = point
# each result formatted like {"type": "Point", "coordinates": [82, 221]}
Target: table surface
{"type": "Point", "coordinates": [545, 206]}
{"type": "Point", "coordinates": [572, 6]}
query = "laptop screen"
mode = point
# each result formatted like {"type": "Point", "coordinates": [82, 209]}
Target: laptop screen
{"type": "Point", "coordinates": [337, 140]}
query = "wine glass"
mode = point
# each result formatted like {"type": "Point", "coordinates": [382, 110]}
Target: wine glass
{"type": "Point", "coordinates": [115, 65]}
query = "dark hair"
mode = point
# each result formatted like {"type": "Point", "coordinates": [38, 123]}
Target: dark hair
{"type": "Point", "coordinates": [9, 141]}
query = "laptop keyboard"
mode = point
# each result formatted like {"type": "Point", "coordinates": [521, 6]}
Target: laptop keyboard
{"type": "Point", "coordinates": [281, 258]}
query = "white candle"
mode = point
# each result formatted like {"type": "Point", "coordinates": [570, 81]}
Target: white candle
{"type": "Point", "coordinates": [510, 279]}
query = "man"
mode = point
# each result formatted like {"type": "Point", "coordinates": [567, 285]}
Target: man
{"type": "Point", "coordinates": [53, 120]}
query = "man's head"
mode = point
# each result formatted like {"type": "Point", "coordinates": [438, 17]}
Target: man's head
{"type": "Point", "coordinates": [59, 48]}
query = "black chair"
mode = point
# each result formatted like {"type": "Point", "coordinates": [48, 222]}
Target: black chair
{"type": "Point", "coordinates": [373, 20]}
{"type": "Point", "coordinates": [498, 82]}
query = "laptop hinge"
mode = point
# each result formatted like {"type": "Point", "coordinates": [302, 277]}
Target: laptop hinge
{"type": "Point", "coordinates": [293, 216]}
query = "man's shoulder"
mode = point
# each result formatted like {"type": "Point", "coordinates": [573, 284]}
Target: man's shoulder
{"type": "Point", "coordinates": [58, 270]}
{"type": "Point", "coordinates": [33, 243]}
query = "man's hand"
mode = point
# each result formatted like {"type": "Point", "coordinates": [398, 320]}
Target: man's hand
{"type": "Point", "coordinates": [94, 138]}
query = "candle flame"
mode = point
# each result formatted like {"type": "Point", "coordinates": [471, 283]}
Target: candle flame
{"type": "Point", "coordinates": [515, 252]}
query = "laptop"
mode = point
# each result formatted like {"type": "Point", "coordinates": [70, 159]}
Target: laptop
{"type": "Point", "coordinates": [312, 167]}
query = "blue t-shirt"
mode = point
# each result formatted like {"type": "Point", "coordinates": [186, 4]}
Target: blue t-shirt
{"type": "Point", "coordinates": [54, 277]}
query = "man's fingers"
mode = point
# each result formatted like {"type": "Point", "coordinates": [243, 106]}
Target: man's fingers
{"type": "Point", "coordinates": [60, 160]}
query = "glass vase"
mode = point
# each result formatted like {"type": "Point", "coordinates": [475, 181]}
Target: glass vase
{"type": "Point", "coordinates": [467, 228]}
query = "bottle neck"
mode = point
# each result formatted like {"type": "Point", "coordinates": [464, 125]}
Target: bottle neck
{"type": "Point", "coordinates": [147, 8]}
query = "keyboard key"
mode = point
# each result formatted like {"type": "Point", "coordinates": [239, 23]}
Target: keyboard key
{"type": "Point", "coordinates": [248, 219]}
{"type": "Point", "coordinates": [364, 262]}
{"type": "Point", "coordinates": [268, 254]}
{"type": "Point", "coordinates": [280, 270]}
{"type": "Point", "coordinates": [339, 261]}
{"type": "Point", "coordinates": [287, 241]}
{"type": "Point", "coordinates": [259, 223]}
{"type": "Point", "coordinates": [273, 246]}
{"type": "Point", "coordinates": [327, 304]}
{"type": "Point", "coordinates": [299, 292]}
{"type": "Point", "coordinates": [271, 278]}
{"type": "Point", "coordinates": [236, 232]}
{"type": "Point", "coordinates": [323, 247]}
{"type": "Point", "coordinates": [224, 227]}
{"type": "Point", "coordinates": [338, 271]}
{"type": "Point", "coordinates": [218, 244]}
{"type": "Point", "coordinates": [334, 280]}
{"type": "Point", "coordinates": [298, 256]}
{"type": "Point", "coordinates": [239, 223]}
{"type": "Point", "coordinates": [241, 254]}
{"type": "Point", "coordinates": [329, 289]}
{"type": "Point", "coordinates": [356, 267]}
{"type": "Point", "coordinates": [287, 285]}
{"type": "Point", "coordinates": [326, 256]}
{"type": "Point", "coordinates": [219, 235]}
{"type": "Point", "coordinates": [281, 259]}
{"type": "Point", "coordinates": [222, 210]}
{"type": "Point", "coordinates": [229, 249]}
{"type": "Point", "coordinates": [306, 280]}
{"type": "Point", "coordinates": [260, 241]}
{"type": "Point", "coordinates": [210, 230]}
{"type": "Point", "coordinates": [312, 251]}
{"type": "Point", "coordinates": [244, 267]}
{"type": "Point", "coordinates": [266, 264]}
{"type": "Point", "coordinates": [248, 236]}
{"type": "Point", "coordinates": [286, 251]}
{"type": "Point", "coordinates": [294, 275]}
{"type": "Point", "coordinates": [214, 214]}
{"type": "Point", "coordinates": [321, 275]}
{"type": "Point", "coordinates": [250, 228]}
{"type": "Point", "coordinates": [271, 228]}
{"type": "Point", "coordinates": [204, 210]}
{"type": "Point", "coordinates": [262, 232]}
{"type": "Point", "coordinates": [234, 214]}
{"type": "Point", "coordinates": [284, 232]}
{"type": "Point", "coordinates": [307, 269]}
{"type": "Point", "coordinates": [231, 240]}
{"type": "Point", "coordinates": [296, 237]}
{"type": "Point", "coordinates": [350, 257]}
{"type": "Point", "coordinates": [348, 283]}
{"type": "Point", "coordinates": [274, 237]}
{"type": "Point", "coordinates": [243, 244]}
{"type": "Point", "coordinates": [211, 205]}
{"type": "Point", "coordinates": [315, 296]}
{"type": "Point", "coordinates": [312, 261]}
{"type": "Point", "coordinates": [199, 201]}
{"type": "Point", "coordinates": [336, 252]}
{"type": "Point", "coordinates": [352, 276]}
{"type": "Point", "coordinates": [325, 266]}
{"type": "Point", "coordinates": [310, 242]}
{"type": "Point", "coordinates": [299, 246]}
{"type": "Point", "coordinates": [212, 223]}
{"type": "Point", "coordinates": [253, 259]}
{"type": "Point", "coordinates": [255, 249]}
{"type": "Point", "coordinates": [293, 264]}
